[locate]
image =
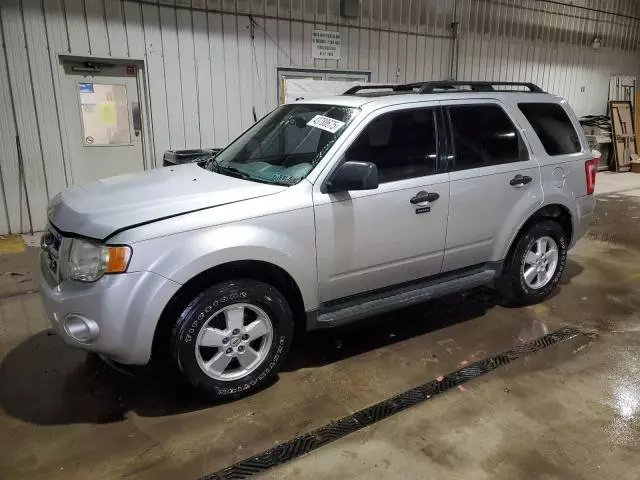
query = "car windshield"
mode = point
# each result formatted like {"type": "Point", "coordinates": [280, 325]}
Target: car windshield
{"type": "Point", "coordinates": [283, 147]}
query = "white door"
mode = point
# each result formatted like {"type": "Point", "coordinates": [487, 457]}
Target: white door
{"type": "Point", "coordinates": [376, 238]}
{"type": "Point", "coordinates": [103, 120]}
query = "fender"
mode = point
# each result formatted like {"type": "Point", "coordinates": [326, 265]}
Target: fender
{"type": "Point", "coordinates": [508, 235]}
{"type": "Point", "coordinates": [286, 240]}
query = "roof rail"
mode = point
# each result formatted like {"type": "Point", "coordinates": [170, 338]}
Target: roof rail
{"type": "Point", "coordinates": [483, 86]}
{"type": "Point", "coordinates": [431, 87]}
{"type": "Point", "coordinates": [355, 89]}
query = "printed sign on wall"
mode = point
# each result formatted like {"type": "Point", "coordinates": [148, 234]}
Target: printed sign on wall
{"type": "Point", "coordinates": [326, 44]}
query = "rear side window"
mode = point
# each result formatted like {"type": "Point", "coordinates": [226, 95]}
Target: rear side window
{"type": "Point", "coordinates": [483, 135]}
{"type": "Point", "coordinates": [553, 127]}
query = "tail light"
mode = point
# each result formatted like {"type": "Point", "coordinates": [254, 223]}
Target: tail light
{"type": "Point", "coordinates": [590, 169]}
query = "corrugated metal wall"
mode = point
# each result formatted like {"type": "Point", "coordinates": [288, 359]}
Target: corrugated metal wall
{"type": "Point", "coordinates": [211, 63]}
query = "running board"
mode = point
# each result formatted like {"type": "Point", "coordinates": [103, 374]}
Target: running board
{"type": "Point", "coordinates": [376, 303]}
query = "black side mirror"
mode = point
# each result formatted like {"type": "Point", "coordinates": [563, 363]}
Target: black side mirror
{"type": "Point", "coordinates": [354, 176]}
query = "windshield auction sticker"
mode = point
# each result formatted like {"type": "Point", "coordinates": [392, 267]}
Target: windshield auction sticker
{"type": "Point", "coordinates": [325, 123]}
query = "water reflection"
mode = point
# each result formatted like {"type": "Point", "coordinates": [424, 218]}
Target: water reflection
{"type": "Point", "coordinates": [624, 428]}
{"type": "Point", "coordinates": [626, 402]}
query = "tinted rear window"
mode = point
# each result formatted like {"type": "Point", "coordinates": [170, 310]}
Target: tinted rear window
{"type": "Point", "coordinates": [553, 127]}
{"type": "Point", "coordinates": [483, 135]}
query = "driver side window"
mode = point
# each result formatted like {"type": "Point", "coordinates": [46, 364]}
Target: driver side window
{"type": "Point", "coordinates": [402, 144]}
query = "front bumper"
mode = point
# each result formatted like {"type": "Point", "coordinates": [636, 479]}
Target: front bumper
{"type": "Point", "coordinates": [122, 309]}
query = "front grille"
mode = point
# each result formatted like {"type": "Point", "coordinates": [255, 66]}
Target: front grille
{"type": "Point", "coordinates": [57, 241]}
{"type": "Point", "coordinates": [51, 244]}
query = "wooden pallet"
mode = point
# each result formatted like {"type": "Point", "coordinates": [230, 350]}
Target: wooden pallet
{"type": "Point", "coordinates": [624, 135]}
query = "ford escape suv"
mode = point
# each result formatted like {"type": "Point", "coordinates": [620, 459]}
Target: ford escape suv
{"type": "Point", "coordinates": [323, 212]}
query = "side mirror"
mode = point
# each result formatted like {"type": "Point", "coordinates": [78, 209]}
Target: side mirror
{"type": "Point", "coordinates": [354, 176]}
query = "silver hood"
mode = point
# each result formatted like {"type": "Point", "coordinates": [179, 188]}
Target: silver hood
{"type": "Point", "coordinates": [100, 208]}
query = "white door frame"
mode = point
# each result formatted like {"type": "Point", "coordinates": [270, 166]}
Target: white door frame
{"type": "Point", "coordinates": [301, 72]}
{"type": "Point", "coordinates": [143, 96]}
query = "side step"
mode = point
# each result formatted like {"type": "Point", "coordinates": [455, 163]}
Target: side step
{"type": "Point", "coordinates": [348, 311]}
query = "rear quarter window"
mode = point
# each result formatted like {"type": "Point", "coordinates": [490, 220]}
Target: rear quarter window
{"type": "Point", "coordinates": [553, 127]}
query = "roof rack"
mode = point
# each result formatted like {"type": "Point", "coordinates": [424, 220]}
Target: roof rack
{"type": "Point", "coordinates": [484, 86]}
{"type": "Point", "coordinates": [357, 88]}
{"type": "Point", "coordinates": [449, 85]}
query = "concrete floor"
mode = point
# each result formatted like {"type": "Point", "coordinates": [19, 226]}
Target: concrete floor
{"type": "Point", "coordinates": [571, 411]}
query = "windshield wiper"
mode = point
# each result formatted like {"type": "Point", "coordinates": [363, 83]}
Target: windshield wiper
{"type": "Point", "coordinates": [233, 171]}
{"type": "Point", "coordinates": [211, 164]}
{"type": "Point", "coordinates": [215, 167]}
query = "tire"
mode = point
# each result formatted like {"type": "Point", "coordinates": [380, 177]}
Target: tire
{"type": "Point", "coordinates": [521, 289]}
{"type": "Point", "coordinates": [221, 326]}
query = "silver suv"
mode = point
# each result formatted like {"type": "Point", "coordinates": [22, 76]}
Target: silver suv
{"type": "Point", "coordinates": [322, 213]}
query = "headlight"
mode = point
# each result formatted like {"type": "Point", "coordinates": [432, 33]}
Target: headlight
{"type": "Point", "coordinates": [87, 261]}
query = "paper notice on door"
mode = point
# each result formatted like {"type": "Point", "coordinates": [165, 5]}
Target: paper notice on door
{"type": "Point", "coordinates": [107, 113]}
{"type": "Point", "coordinates": [325, 123]}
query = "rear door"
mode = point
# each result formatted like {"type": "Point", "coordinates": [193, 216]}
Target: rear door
{"type": "Point", "coordinates": [494, 179]}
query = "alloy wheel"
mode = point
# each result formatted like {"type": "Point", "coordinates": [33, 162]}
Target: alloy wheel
{"type": "Point", "coordinates": [234, 341]}
{"type": "Point", "coordinates": [540, 262]}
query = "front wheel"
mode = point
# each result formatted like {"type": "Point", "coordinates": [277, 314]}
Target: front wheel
{"type": "Point", "coordinates": [535, 265]}
{"type": "Point", "coordinates": [232, 338]}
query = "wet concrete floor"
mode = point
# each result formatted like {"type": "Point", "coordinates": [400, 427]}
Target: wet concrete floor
{"type": "Point", "coordinates": [571, 411]}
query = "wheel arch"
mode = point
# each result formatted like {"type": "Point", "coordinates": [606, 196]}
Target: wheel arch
{"type": "Point", "coordinates": [554, 211]}
{"type": "Point", "coordinates": [258, 270]}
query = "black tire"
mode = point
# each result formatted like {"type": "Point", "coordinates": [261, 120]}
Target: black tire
{"type": "Point", "coordinates": [193, 318]}
{"type": "Point", "coordinates": [511, 283]}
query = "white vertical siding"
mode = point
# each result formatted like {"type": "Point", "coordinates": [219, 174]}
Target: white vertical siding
{"type": "Point", "coordinates": [154, 63]}
{"type": "Point", "coordinates": [31, 172]}
{"type": "Point", "coordinates": [188, 79]}
{"type": "Point", "coordinates": [116, 33]}
{"type": "Point", "coordinates": [16, 218]}
{"type": "Point", "coordinates": [550, 44]}
{"type": "Point", "coordinates": [172, 76]}
{"type": "Point", "coordinates": [203, 72]}
{"type": "Point", "coordinates": [218, 81]}
{"type": "Point", "coordinates": [210, 65]}
{"type": "Point", "coordinates": [94, 11]}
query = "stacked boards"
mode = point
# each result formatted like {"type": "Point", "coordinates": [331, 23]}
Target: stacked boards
{"type": "Point", "coordinates": [635, 165]}
{"type": "Point", "coordinates": [625, 143]}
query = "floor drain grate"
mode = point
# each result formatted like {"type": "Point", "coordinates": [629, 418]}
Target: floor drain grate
{"type": "Point", "coordinates": [368, 416]}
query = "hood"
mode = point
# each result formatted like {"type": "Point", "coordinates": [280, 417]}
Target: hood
{"type": "Point", "coordinates": [100, 208]}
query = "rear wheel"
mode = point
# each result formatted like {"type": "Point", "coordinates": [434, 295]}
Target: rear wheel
{"type": "Point", "coordinates": [232, 338]}
{"type": "Point", "coordinates": [535, 265]}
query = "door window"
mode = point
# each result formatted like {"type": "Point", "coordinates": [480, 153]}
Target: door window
{"type": "Point", "coordinates": [105, 114]}
{"type": "Point", "coordinates": [402, 144]}
{"type": "Point", "coordinates": [553, 127]}
{"type": "Point", "coordinates": [483, 135]}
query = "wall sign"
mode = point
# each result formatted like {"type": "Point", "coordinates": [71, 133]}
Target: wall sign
{"type": "Point", "coordinates": [326, 44]}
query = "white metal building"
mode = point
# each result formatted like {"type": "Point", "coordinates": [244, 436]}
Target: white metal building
{"type": "Point", "coordinates": [194, 73]}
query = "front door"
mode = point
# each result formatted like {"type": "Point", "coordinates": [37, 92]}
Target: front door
{"type": "Point", "coordinates": [396, 233]}
{"type": "Point", "coordinates": [102, 115]}
{"type": "Point", "coordinates": [495, 182]}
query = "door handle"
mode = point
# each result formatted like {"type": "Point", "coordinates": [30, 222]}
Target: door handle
{"type": "Point", "coordinates": [422, 197]}
{"type": "Point", "coordinates": [520, 180]}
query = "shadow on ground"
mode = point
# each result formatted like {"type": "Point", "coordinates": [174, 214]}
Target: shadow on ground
{"type": "Point", "coordinates": [44, 381]}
